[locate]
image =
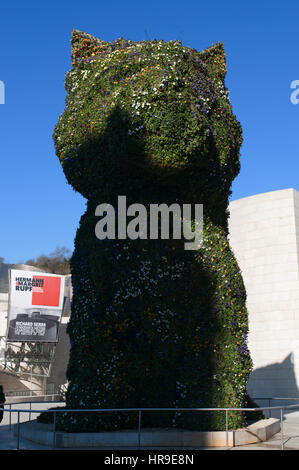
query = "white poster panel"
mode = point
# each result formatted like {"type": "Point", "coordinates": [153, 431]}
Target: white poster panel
{"type": "Point", "coordinates": [35, 306]}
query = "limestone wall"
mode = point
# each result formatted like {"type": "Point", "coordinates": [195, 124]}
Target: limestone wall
{"type": "Point", "coordinates": [3, 313]}
{"type": "Point", "coordinates": [264, 235]}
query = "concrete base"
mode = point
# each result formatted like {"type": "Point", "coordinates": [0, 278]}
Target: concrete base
{"type": "Point", "coordinates": [257, 432]}
{"type": "Point", "coordinates": [43, 434]}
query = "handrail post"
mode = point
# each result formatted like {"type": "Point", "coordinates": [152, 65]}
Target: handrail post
{"type": "Point", "coordinates": [139, 428]}
{"type": "Point", "coordinates": [281, 427]}
{"type": "Point", "coordinates": [226, 427]}
{"type": "Point", "coordinates": [10, 416]}
{"type": "Point", "coordinates": [18, 439]}
{"type": "Point", "coordinates": [54, 430]}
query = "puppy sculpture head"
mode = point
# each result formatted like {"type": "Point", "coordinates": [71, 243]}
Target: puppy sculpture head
{"type": "Point", "coordinates": [150, 120]}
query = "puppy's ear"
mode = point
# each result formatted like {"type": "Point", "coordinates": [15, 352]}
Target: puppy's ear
{"type": "Point", "coordinates": [214, 58]}
{"type": "Point", "coordinates": [85, 47]}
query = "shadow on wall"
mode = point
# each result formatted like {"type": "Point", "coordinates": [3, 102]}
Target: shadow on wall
{"type": "Point", "coordinates": [276, 380]}
{"type": "Point", "coordinates": [59, 366]}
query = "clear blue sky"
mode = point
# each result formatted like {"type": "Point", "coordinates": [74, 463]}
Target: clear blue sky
{"type": "Point", "coordinates": [38, 209]}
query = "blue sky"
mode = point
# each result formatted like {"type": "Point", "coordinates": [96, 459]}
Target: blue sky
{"type": "Point", "coordinates": [38, 209]}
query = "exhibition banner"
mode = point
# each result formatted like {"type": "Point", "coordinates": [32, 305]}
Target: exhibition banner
{"type": "Point", "coordinates": [35, 306]}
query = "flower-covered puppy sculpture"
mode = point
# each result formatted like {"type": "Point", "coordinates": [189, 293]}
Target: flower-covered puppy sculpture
{"type": "Point", "coordinates": [153, 325]}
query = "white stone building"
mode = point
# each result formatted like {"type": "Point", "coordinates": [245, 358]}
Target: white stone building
{"type": "Point", "coordinates": [264, 235]}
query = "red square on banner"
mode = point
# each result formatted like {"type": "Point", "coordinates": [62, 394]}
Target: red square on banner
{"type": "Point", "coordinates": [48, 291]}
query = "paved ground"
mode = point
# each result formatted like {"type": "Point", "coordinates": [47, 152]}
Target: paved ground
{"type": "Point", "coordinates": [288, 439]}
{"type": "Point", "coordinates": [7, 440]}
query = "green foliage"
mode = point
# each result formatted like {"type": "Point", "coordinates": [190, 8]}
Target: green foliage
{"type": "Point", "coordinates": [57, 262]}
{"type": "Point", "coordinates": [169, 108]}
{"type": "Point", "coordinates": [153, 325]}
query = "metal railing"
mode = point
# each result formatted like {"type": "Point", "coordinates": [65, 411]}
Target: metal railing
{"type": "Point", "coordinates": [140, 410]}
{"type": "Point", "coordinates": [28, 393]}
{"type": "Point", "coordinates": [270, 399]}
